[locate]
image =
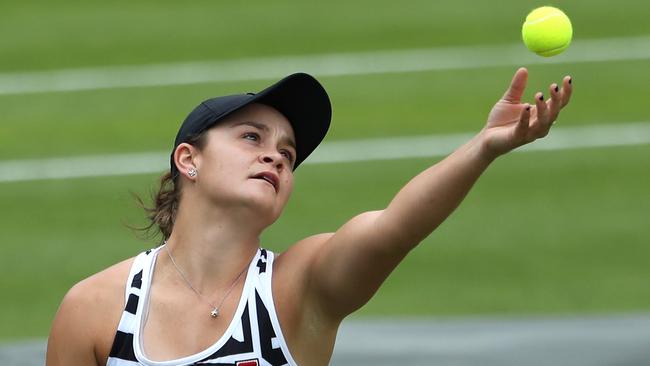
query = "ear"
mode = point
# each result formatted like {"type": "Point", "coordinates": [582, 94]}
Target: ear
{"type": "Point", "coordinates": [185, 157]}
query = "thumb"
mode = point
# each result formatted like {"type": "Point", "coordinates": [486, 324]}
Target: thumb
{"type": "Point", "coordinates": [517, 86]}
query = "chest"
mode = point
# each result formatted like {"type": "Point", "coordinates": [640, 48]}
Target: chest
{"type": "Point", "coordinates": [180, 325]}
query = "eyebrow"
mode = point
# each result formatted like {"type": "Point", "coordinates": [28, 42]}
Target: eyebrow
{"type": "Point", "coordinates": [260, 126]}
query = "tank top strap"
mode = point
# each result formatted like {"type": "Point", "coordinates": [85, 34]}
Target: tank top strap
{"type": "Point", "coordinates": [136, 285]}
{"type": "Point", "coordinates": [272, 344]}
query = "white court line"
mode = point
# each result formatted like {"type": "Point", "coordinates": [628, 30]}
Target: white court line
{"type": "Point", "coordinates": [619, 134]}
{"type": "Point", "coordinates": [375, 62]}
{"type": "Point", "coordinates": [616, 339]}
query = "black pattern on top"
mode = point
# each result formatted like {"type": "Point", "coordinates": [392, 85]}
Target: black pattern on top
{"type": "Point", "coordinates": [261, 263]}
{"type": "Point", "coordinates": [272, 355]}
{"type": "Point", "coordinates": [123, 347]}
{"type": "Point", "coordinates": [137, 280]}
{"type": "Point", "coordinates": [233, 346]}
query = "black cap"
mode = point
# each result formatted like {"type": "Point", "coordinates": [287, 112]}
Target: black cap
{"type": "Point", "coordinates": [299, 97]}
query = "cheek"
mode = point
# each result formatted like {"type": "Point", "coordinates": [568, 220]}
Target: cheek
{"type": "Point", "coordinates": [218, 174]}
{"type": "Point", "coordinates": [288, 184]}
{"type": "Point", "coordinates": [221, 162]}
{"type": "Point", "coordinates": [214, 170]}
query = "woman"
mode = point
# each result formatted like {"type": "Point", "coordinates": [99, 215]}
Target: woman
{"type": "Point", "coordinates": [209, 294]}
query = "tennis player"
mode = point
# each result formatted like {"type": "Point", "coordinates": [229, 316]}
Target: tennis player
{"type": "Point", "coordinates": [209, 294]}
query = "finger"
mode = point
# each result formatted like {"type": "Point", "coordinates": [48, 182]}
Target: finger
{"type": "Point", "coordinates": [555, 103]}
{"type": "Point", "coordinates": [521, 130]}
{"type": "Point", "coordinates": [541, 124]}
{"type": "Point", "coordinates": [517, 86]}
{"type": "Point", "coordinates": [567, 90]}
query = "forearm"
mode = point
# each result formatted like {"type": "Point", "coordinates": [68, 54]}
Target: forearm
{"type": "Point", "coordinates": [431, 196]}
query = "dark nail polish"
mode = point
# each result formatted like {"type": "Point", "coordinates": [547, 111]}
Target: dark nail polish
{"type": "Point", "coordinates": [528, 108]}
{"type": "Point", "coordinates": [570, 80]}
{"type": "Point", "coordinates": [557, 88]}
{"type": "Point", "coordinates": [541, 97]}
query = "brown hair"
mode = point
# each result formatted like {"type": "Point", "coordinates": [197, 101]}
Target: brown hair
{"type": "Point", "coordinates": [162, 212]}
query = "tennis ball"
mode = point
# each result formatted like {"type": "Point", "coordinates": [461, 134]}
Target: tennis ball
{"type": "Point", "coordinates": [547, 31]}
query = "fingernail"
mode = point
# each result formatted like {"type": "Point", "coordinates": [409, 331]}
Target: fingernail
{"type": "Point", "coordinates": [570, 80]}
{"type": "Point", "coordinates": [557, 89]}
{"type": "Point", "coordinates": [541, 97]}
{"type": "Point", "coordinates": [528, 108]}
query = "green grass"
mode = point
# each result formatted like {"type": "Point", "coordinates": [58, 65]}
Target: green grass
{"type": "Point", "coordinates": [145, 119]}
{"type": "Point", "coordinates": [47, 35]}
{"type": "Point", "coordinates": [543, 232]}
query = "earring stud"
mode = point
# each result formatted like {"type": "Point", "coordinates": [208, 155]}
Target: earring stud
{"type": "Point", "coordinates": [192, 172]}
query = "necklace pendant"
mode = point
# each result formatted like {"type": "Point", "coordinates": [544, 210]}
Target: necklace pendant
{"type": "Point", "coordinates": [214, 313]}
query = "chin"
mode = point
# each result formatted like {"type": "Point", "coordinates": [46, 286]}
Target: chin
{"type": "Point", "coordinates": [264, 204]}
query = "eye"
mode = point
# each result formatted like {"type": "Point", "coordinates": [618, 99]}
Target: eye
{"type": "Point", "coordinates": [287, 154]}
{"type": "Point", "coordinates": [251, 136]}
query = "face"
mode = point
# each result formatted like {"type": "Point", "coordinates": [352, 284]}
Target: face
{"type": "Point", "coordinates": [248, 159]}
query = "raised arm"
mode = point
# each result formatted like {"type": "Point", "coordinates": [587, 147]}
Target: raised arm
{"type": "Point", "coordinates": [352, 263]}
{"type": "Point", "coordinates": [428, 199]}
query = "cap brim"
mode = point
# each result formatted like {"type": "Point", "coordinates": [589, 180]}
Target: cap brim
{"type": "Point", "coordinates": [305, 103]}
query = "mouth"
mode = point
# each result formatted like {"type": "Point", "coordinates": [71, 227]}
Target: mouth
{"type": "Point", "coordinates": [270, 178]}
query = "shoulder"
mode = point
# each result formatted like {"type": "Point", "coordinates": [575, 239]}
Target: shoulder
{"type": "Point", "coordinates": [300, 256]}
{"type": "Point", "coordinates": [103, 290]}
{"type": "Point", "coordinates": [292, 271]}
{"type": "Point", "coordinates": [88, 315]}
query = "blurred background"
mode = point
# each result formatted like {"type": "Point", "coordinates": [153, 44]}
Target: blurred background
{"type": "Point", "coordinates": [92, 94]}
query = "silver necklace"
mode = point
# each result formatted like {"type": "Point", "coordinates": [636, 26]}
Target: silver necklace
{"type": "Point", "coordinates": [215, 309]}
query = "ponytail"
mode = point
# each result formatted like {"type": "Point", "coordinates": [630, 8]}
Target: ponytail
{"type": "Point", "coordinates": [162, 213]}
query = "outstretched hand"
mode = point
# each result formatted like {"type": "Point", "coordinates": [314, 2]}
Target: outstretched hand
{"type": "Point", "coordinates": [512, 123]}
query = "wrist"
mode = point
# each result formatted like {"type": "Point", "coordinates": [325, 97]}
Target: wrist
{"type": "Point", "coordinates": [481, 149]}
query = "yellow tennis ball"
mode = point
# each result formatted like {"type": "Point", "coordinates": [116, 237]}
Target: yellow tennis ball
{"type": "Point", "coordinates": [547, 31]}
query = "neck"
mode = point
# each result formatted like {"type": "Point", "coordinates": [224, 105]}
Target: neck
{"type": "Point", "coordinates": [211, 245]}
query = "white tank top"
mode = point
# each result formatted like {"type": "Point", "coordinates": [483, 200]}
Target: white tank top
{"type": "Point", "coordinates": [253, 338]}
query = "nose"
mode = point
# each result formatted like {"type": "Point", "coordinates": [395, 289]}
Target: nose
{"type": "Point", "coordinates": [273, 158]}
